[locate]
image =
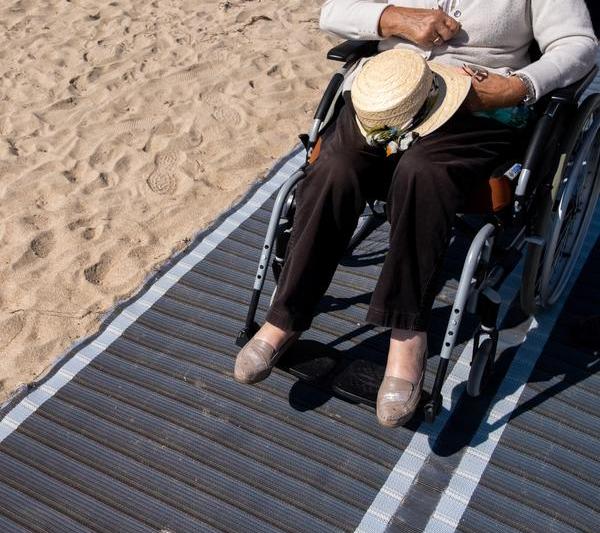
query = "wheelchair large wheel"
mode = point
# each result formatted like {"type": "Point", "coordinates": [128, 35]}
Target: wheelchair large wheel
{"type": "Point", "coordinates": [530, 281]}
{"type": "Point", "coordinates": [564, 218]}
{"type": "Point", "coordinates": [577, 197]}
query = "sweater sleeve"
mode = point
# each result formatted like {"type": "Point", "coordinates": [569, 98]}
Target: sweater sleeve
{"type": "Point", "coordinates": [564, 33]}
{"type": "Point", "coordinates": [352, 19]}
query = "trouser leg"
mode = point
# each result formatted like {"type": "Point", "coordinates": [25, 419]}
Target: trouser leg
{"type": "Point", "coordinates": [329, 201]}
{"type": "Point", "coordinates": [428, 188]}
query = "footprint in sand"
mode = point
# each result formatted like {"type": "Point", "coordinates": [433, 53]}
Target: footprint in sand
{"type": "Point", "coordinates": [163, 179]}
{"type": "Point", "coordinates": [105, 53]}
{"type": "Point", "coordinates": [136, 124]}
{"type": "Point", "coordinates": [227, 115]}
{"type": "Point", "coordinates": [63, 105]}
{"type": "Point", "coordinates": [10, 329]}
{"type": "Point", "coordinates": [43, 244]}
{"type": "Point", "coordinates": [78, 223]}
{"type": "Point", "coordinates": [96, 273]}
{"type": "Point", "coordinates": [36, 221]}
{"type": "Point", "coordinates": [190, 74]}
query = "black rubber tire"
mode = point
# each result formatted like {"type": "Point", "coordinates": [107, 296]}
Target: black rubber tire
{"type": "Point", "coordinates": [481, 368]}
{"type": "Point", "coordinates": [552, 289]}
{"type": "Point", "coordinates": [530, 289]}
{"type": "Point", "coordinates": [533, 256]}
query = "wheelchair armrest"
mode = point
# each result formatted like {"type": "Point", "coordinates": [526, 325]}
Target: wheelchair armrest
{"type": "Point", "coordinates": [572, 93]}
{"type": "Point", "coordinates": [352, 50]}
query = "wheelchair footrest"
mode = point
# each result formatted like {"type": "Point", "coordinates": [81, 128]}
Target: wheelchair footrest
{"type": "Point", "coordinates": [245, 334]}
{"type": "Point", "coordinates": [359, 381]}
{"type": "Point", "coordinates": [309, 361]}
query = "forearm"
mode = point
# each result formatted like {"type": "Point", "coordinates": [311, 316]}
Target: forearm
{"type": "Point", "coordinates": [360, 19]}
{"type": "Point", "coordinates": [561, 66]}
{"type": "Point", "coordinates": [352, 19]}
{"type": "Point", "coordinates": [511, 94]}
{"type": "Point", "coordinates": [423, 27]}
{"type": "Point", "coordinates": [392, 21]}
{"type": "Point", "coordinates": [398, 21]}
{"type": "Point", "coordinates": [564, 32]}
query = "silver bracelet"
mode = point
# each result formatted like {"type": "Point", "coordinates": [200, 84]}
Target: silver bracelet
{"type": "Point", "coordinates": [530, 96]}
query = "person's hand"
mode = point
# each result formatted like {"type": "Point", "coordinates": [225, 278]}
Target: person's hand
{"type": "Point", "coordinates": [424, 27]}
{"type": "Point", "coordinates": [492, 91]}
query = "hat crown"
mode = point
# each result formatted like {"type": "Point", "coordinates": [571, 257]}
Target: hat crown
{"type": "Point", "coordinates": [391, 88]}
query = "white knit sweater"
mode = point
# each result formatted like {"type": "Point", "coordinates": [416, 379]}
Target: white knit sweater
{"type": "Point", "coordinates": [495, 34]}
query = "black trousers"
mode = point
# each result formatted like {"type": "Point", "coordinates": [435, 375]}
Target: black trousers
{"type": "Point", "coordinates": [424, 188]}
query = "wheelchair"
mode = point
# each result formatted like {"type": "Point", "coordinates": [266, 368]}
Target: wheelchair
{"type": "Point", "coordinates": [539, 208]}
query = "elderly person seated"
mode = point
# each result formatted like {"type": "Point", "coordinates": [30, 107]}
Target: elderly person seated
{"type": "Point", "coordinates": [424, 185]}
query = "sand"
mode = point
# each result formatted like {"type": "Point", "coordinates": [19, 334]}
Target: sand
{"type": "Point", "coordinates": [125, 128]}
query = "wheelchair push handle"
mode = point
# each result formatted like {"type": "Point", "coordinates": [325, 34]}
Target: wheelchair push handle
{"type": "Point", "coordinates": [324, 106]}
{"type": "Point", "coordinates": [348, 52]}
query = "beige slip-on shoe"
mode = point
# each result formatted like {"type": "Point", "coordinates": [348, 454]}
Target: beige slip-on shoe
{"type": "Point", "coordinates": [397, 398]}
{"type": "Point", "coordinates": [257, 358]}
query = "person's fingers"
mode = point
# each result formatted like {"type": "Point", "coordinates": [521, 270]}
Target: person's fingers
{"type": "Point", "coordinates": [464, 70]}
{"type": "Point", "coordinates": [443, 31]}
{"type": "Point", "coordinates": [452, 24]}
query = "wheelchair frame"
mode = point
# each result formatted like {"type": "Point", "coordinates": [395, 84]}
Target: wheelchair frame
{"type": "Point", "coordinates": [480, 279]}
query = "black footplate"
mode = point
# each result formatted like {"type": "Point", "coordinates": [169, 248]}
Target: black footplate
{"type": "Point", "coordinates": [309, 360]}
{"type": "Point", "coordinates": [359, 381]}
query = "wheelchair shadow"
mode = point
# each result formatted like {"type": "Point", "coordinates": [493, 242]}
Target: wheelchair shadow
{"type": "Point", "coordinates": [446, 282]}
{"type": "Point", "coordinates": [466, 425]}
{"type": "Point", "coordinates": [365, 259]}
{"type": "Point", "coordinates": [318, 364]}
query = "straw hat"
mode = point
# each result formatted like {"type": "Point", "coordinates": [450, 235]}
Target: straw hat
{"type": "Point", "coordinates": [398, 87]}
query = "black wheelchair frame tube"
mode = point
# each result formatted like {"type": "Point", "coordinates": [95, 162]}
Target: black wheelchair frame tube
{"type": "Point", "coordinates": [537, 149]}
{"type": "Point", "coordinates": [434, 405]}
{"type": "Point", "coordinates": [332, 88]}
{"type": "Point", "coordinates": [558, 103]}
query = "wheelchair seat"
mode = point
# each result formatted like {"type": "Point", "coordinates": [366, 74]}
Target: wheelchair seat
{"type": "Point", "coordinates": [491, 196]}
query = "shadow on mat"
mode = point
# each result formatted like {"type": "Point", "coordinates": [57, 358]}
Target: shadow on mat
{"type": "Point", "coordinates": [320, 366]}
{"type": "Point", "coordinates": [466, 425]}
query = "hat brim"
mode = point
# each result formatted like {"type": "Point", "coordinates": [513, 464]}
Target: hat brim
{"type": "Point", "coordinates": [453, 89]}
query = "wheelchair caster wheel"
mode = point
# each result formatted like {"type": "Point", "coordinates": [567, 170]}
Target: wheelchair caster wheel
{"type": "Point", "coordinates": [482, 367]}
{"type": "Point", "coordinates": [431, 410]}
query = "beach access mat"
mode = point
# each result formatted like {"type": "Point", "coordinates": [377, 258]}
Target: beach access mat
{"type": "Point", "coordinates": [142, 427]}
